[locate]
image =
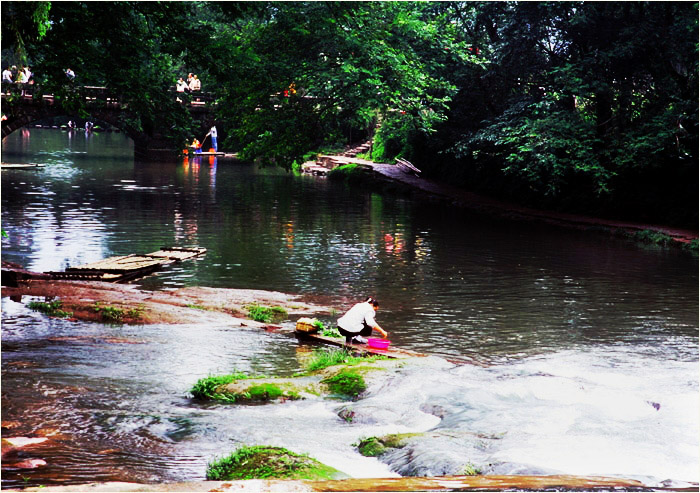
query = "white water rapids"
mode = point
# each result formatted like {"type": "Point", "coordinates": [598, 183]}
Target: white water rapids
{"type": "Point", "coordinates": [608, 411]}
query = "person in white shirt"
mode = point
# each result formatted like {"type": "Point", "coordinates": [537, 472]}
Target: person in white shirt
{"type": "Point", "coordinates": [214, 135]}
{"type": "Point", "coordinates": [195, 84]}
{"type": "Point", "coordinates": [7, 75]}
{"type": "Point", "coordinates": [359, 321]}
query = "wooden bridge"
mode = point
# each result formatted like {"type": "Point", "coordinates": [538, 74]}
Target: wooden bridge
{"type": "Point", "coordinates": [24, 104]}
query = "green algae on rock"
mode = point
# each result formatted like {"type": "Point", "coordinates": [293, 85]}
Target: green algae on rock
{"type": "Point", "coordinates": [375, 446]}
{"type": "Point", "coordinates": [263, 462]}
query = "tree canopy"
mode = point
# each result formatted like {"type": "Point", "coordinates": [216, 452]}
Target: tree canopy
{"type": "Point", "coordinates": [580, 106]}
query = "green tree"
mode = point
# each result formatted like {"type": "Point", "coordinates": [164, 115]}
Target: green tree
{"type": "Point", "coordinates": [348, 63]}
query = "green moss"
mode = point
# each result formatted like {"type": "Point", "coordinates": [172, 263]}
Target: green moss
{"type": "Point", "coordinates": [351, 172]}
{"type": "Point", "coordinates": [267, 392]}
{"type": "Point", "coordinates": [347, 382]}
{"type": "Point", "coordinates": [215, 388]}
{"type": "Point", "coordinates": [371, 447]}
{"type": "Point", "coordinates": [374, 446]}
{"type": "Point", "coordinates": [262, 462]}
{"type": "Point", "coordinates": [51, 308]}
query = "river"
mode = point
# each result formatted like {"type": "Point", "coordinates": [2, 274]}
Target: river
{"type": "Point", "coordinates": [553, 351]}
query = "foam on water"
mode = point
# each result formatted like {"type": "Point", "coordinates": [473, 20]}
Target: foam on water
{"type": "Point", "coordinates": [609, 411]}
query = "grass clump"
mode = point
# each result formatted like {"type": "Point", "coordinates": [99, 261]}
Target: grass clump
{"type": "Point", "coordinates": [347, 382]}
{"type": "Point", "coordinates": [653, 238]}
{"type": "Point", "coordinates": [196, 307]}
{"type": "Point", "coordinates": [323, 359]}
{"type": "Point", "coordinates": [266, 314]}
{"type": "Point", "coordinates": [263, 462]}
{"type": "Point", "coordinates": [51, 308]}
{"type": "Point", "coordinates": [110, 314]}
{"type": "Point", "coordinates": [206, 388]}
{"type": "Point", "coordinates": [470, 469]}
{"type": "Point", "coordinates": [209, 389]}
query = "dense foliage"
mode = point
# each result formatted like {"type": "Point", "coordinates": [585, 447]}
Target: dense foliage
{"type": "Point", "coordinates": [580, 106]}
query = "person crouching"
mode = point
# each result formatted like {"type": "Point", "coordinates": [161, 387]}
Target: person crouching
{"type": "Point", "coordinates": [359, 321]}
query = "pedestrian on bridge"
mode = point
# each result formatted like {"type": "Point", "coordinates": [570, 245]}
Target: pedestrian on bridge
{"type": "Point", "coordinates": [7, 75]}
{"type": "Point", "coordinates": [195, 84]}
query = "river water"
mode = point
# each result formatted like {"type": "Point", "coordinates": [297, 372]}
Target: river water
{"type": "Point", "coordinates": [552, 351]}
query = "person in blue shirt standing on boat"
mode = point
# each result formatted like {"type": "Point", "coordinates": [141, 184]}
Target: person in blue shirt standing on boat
{"type": "Point", "coordinates": [359, 321]}
{"type": "Point", "coordinates": [214, 135]}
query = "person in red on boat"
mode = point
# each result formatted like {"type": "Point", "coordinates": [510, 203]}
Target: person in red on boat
{"type": "Point", "coordinates": [359, 321]}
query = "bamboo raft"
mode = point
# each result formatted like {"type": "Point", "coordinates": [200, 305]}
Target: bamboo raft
{"type": "Point", "coordinates": [21, 166]}
{"type": "Point", "coordinates": [362, 349]}
{"type": "Point", "coordinates": [128, 267]}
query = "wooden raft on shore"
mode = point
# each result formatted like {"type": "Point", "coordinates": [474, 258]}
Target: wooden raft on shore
{"type": "Point", "coordinates": [127, 267]}
{"type": "Point", "coordinates": [21, 165]}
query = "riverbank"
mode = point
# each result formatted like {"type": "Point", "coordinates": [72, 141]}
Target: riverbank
{"type": "Point", "coordinates": [441, 483]}
{"type": "Point", "coordinates": [188, 305]}
{"type": "Point", "coordinates": [87, 300]}
{"type": "Point", "coordinates": [430, 189]}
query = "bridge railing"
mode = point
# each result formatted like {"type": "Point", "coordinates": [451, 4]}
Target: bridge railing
{"type": "Point", "coordinates": [98, 94]}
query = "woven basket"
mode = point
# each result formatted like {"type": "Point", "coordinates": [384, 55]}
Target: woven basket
{"type": "Point", "coordinates": [306, 325]}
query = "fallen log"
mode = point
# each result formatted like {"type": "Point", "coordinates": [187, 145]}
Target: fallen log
{"type": "Point", "coordinates": [407, 167]}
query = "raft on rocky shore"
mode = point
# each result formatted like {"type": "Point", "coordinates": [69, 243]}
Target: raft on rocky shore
{"type": "Point", "coordinates": [127, 267]}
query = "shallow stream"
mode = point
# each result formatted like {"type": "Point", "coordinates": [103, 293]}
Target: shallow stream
{"type": "Point", "coordinates": [553, 351]}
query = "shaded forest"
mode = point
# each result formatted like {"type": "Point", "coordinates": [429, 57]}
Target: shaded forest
{"type": "Point", "coordinates": [588, 107]}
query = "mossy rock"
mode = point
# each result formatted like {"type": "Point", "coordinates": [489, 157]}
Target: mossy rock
{"type": "Point", "coordinates": [347, 382]}
{"type": "Point", "coordinates": [259, 390]}
{"type": "Point", "coordinates": [375, 446]}
{"type": "Point", "coordinates": [264, 462]}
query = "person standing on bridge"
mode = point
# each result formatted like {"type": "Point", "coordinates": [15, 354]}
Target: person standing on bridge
{"type": "Point", "coordinates": [195, 84]}
{"type": "Point", "coordinates": [7, 75]}
{"type": "Point", "coordinates": [214, 135]}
